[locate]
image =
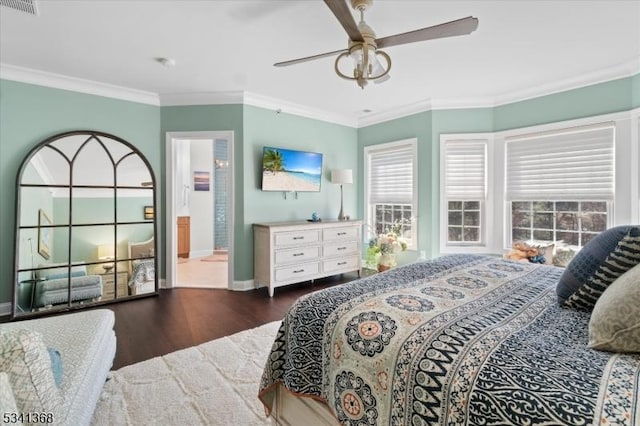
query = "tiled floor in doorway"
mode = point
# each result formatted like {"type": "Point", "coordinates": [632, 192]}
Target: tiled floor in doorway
{"type": "Point", "coordinates": [204, 272]}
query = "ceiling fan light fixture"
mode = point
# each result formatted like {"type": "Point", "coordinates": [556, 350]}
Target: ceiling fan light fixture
{"type": "Point", "coordinates": [363, 44]}
{"type": "Point", "coordinates": [366, 64]}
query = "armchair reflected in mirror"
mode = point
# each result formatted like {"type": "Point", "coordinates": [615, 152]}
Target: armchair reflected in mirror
{"type": "Point", "coordinates": [79, 198]}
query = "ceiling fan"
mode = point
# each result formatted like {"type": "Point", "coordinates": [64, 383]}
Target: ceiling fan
{"type": "Point", "coordinates": [363, 44]}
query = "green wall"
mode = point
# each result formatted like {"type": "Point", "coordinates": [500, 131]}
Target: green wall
{"type": "Point", "coordinates": [264, 127]}
{"type": "Point", "coordinates": [200, 118]}
{"type": "Point", "coordinates": [254, 128]}
{"type": "Point", "coordinates": [30, 114]}
{"type": "Point", "coordinates": [414, 126]}
{"type": "Point", "coordinates": [603, 98]}
{"type": "Point", "coordinates": [635, 102]}
{"type": "Point", "coordinates": [613, 96]}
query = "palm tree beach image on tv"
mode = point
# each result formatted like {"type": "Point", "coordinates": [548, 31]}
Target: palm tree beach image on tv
{"type": "Point", "coordinates": [288, 170]}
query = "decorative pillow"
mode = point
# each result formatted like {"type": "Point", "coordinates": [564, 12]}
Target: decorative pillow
{"type": "Point", "coordinates": [545, 249]}
{"type": "Point", "coordinates": [24, 357]}
{"type": "Point", "coordinates": [615, 321]}
{"type": "Point", "coordinates": [587, 260]}
{"type": "Point", "coordinates": [625, 256]}
{"type": "Point", "coordinates": [56, 365]}
{"type": "Point", "coordinates": [563, 256]}
{"type": "Point", "coordinates": [7, 400]}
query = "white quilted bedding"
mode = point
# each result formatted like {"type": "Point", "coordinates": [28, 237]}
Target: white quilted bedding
{"type": "Point", "coordinates": [87, 344]}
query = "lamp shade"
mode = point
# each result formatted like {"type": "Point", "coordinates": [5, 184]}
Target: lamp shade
{"type": "Point", "coordinates": [341, 176]}
{"type": "Point", "coordinates": [106, 251]}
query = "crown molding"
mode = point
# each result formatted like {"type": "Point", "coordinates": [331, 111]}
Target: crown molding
{"type": "Point", "coordinates": [90, 87]}
{"type": "Point", "coordinates": [394, 113]}
{"type": "Point", "coordinates": [622, 70]}
{"type": "Point", "coordinates": [280, 106]}
{"type": "Point", "coordinates": [257, 100]}
{"type": "Point", "coordinates": [42, 78]}
{"type": "Point", "coordinates": [202, 98]}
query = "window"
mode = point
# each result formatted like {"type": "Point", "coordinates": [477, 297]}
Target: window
{"type": "Point", "coordinates": [560, 184]}
{"type": "Point", "coordinates": [464, 187]}
{"type": "Point", "coordinates": [391, 188]}
{"type": "Point", "coordinates": [573, 222]}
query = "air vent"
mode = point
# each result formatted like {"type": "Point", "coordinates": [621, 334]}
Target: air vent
{"type": "Point", "coordinates": [28, 6]}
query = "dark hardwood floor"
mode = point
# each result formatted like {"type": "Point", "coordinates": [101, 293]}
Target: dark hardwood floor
{"type": "Point", "coordinates": [183, 317]}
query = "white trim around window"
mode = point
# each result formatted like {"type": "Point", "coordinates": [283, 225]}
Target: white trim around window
{"type": "Point", "coordinates": [625, 207]}
{"type": "Point", "coordinates": [458, 186]}
{"type": "Point", "coordinates": [625, 204]}
{"type": "Point", "coordinates": [388, 149]}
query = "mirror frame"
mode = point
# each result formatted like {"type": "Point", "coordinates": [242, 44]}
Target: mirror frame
{"type": "Point", "coordinates": [89, 135]}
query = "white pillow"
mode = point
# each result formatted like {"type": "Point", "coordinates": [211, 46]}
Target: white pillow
{"type": "Point", "coordinates": [24, 357]}
{"type": "Point", "coordinates": [615, 320]}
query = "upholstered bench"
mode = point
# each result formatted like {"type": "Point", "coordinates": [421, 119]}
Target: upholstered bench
{"type": "Point", "coordinates": [86, 343]}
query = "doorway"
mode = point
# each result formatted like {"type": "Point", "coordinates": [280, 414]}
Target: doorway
{"type": "Point", "coordinates": [199, 209]}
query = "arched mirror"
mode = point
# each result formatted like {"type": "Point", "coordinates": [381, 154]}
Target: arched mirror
{"type": "Point", "coordinates": [86, 226]}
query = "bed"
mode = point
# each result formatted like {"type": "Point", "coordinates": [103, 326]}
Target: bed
{"type": "Point", "coordinates": [463, 339]}
{"type": "Point", "coordinates": [142, 276]}
{"type": "Point", "coordinates": [53, 287]}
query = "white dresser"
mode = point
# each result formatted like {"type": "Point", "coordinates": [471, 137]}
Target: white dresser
{"type": "Point", "coordinates": [291, 252]}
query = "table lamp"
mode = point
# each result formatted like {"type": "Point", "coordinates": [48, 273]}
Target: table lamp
{"type": "Point", "coordinates": [341, 176]}
{"type": "Point", "coordinates": [106, 252]}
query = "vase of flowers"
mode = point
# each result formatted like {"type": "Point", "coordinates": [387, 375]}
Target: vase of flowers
{"type": "Point", "coordinates": [384, 247]}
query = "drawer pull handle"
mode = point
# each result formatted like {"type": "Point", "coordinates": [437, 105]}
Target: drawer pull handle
{"type": "Point", "coordinates": [342, 263]}
{"type": "Point", "coordinates": [341, 248]}
{"type": "Point", "coordinates": [298, 238]}
{"type": "Point", "coordinates": [298, 254]}
{"type": "Point", "coordinates": [342, 233]}
{"type": "Point", "coordinates": [297, 271]}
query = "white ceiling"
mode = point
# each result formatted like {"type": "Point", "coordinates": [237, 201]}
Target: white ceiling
{"type": "Point", "coordinates": [520, 49]}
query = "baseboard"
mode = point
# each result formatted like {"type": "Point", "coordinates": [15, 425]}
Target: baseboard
{"type": "Point", "coordinates": [243, 285]}
{"type": "Point", "coordinates": [5, 309]}
{"type": "Point", "coordinates": [162, 283]}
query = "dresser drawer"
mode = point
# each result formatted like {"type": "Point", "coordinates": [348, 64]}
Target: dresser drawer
{"type": "Point", "coordinates": [340, 249]}
{"type": "Point", "coordinates": [296, 237]}
{"type": "Point", "coordinates": [298, 271]}
{"type": "Point", "coordinates": [109, 285]}
{"type": "Point", "coordinates": [300, 254]}
{"type": "Point", "coordinates": [341, 264]}
{"type": "Point", "coordinates": [337, 234]}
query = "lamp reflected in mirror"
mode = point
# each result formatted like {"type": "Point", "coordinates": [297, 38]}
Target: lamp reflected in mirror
{"type": "Point", "coordinates": [106, 252]}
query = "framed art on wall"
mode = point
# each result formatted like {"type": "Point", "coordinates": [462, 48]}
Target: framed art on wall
{"type": "Point", "coordinates": [201, 181]}
{"type": "Point", "coordinates": [44, 234]}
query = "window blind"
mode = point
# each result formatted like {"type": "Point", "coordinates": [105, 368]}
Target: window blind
{"type": "Point", "coordinates": [465, 170]}
{"type": "Point", "coordinates": [569, 165]}
{"type": "Point", "coordinates": [390, 177]}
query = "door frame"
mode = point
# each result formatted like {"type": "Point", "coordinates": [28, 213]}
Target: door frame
{"type": "Point", "coordinates": [171, 251]}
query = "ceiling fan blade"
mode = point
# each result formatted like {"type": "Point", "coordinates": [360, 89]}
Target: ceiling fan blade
{"type": "Point", "coordinates": [342, 12]}
{"type": "Point", "coordinates": [308, 58]}
{"type": "Point", "coordinates": [449, 29]}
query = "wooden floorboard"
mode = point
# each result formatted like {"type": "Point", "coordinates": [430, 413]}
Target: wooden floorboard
{"type": "Point", "coordinates": [183, 317]}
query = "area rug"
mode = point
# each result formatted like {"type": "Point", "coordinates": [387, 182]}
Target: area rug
{"type": "Point", "coordinates": [215, 258]}
{"type": "Point", "coordinates": [215, 383]}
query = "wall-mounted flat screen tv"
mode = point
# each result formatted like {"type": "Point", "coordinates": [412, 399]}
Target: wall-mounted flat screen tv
{"type": "Point", "coordinates": [289, 170]}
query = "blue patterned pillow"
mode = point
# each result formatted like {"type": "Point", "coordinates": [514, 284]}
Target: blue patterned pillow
{"type": "Point", "coordinates": [625, 256]}
{"type": "Point", "coordinates": [586, 261]}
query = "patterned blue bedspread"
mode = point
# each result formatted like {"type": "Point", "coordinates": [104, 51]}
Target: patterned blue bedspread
{"type": "Point", "coordinates": [459, 340]}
